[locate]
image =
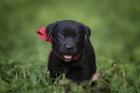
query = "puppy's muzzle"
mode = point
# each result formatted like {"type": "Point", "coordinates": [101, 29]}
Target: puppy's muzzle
{"type": "Point", "coordinates": [68, 47]}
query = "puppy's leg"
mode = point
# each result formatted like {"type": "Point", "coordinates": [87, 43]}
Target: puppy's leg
{"type": "Point", "coordinates": [54, 75]}
{"type": "Point", "coordinates": [76, 74]}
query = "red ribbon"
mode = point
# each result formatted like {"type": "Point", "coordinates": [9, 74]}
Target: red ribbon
{"type": "Point", "coordinates": [43, 34]}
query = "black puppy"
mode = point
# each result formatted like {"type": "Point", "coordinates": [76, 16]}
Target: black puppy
{"type": "Point", "coordinates": [72, 52]}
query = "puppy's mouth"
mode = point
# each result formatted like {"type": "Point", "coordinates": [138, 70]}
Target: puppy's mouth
{"type": "Point", "coordinates": [67, 58]}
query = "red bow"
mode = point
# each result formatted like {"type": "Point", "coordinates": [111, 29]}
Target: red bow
{"type": "Point", "coordinates": [43, 34]}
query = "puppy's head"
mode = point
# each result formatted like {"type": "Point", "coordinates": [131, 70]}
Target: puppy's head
{"type": "Point", "coordinates": [68, 38]}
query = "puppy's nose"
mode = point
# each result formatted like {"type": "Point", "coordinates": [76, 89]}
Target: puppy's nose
{"type": "Point", "coordinates": [69, 47]}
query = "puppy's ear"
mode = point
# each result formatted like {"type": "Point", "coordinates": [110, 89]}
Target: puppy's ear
{"type": "Point", "coordinates": [45, 33]}
{"type": "Point", "coordinates": [50, 28]}
{"type": "Point", "coordinates": [87, 31]}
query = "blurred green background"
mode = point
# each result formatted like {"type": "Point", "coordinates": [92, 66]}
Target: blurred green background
{"type": "Point", "coordinates": [115, 26]}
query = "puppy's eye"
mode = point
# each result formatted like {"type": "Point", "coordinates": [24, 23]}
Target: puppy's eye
{"type": "Point", "coordinates": [76, 38]}
{"type": "Point", "coordinates": [60, 36]}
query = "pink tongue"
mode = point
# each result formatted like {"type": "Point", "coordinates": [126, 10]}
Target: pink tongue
{"type": "Point", "coordinates": [67, 56]}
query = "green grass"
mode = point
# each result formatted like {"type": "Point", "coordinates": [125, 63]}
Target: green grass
{"type": "Point", "coordinates": [115, 37]}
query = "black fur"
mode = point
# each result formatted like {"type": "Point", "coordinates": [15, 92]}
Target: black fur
{"type": "Point", "coordinates": [71, 38]}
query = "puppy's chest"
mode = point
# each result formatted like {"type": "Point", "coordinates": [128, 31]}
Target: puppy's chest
{"type": "Point", "coordinates": [64, 68]}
